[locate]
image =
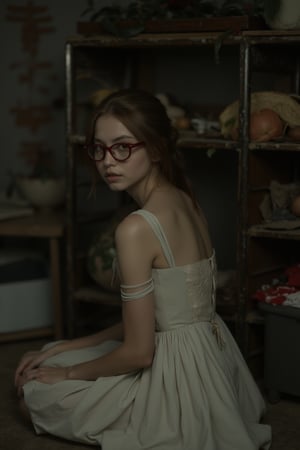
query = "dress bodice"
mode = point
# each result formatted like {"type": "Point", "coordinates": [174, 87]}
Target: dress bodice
{"type": "Point", "coordinates": [183, 294]}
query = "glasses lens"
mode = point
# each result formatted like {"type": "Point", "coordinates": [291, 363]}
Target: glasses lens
{"type": "Point", "coordinates": [120, 151]}
{"type": "Point", "coordinates": [96, 151]}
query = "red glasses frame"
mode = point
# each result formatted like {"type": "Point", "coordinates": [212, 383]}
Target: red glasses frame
{"type": "Point", "coordinates": [129, 147]}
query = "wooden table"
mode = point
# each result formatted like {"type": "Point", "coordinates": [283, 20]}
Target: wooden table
{"type": "Point", "coordinates": [50, 226]}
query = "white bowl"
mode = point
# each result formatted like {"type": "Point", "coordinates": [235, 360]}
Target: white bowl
{"type": "Point", "coordinates": [42, 192]}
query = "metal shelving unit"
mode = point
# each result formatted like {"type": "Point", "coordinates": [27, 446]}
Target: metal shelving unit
{"type": "Point", "coordinates": [254, 250]}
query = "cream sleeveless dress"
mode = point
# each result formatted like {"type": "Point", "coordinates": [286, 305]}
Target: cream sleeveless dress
{"type": "Point", "coordinates": [197, 395]}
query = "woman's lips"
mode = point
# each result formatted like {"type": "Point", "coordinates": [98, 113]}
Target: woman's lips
{"type": "Point", "coordinates": [112, 177]}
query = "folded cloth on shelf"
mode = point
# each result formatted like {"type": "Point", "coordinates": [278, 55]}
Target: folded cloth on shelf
{"type": "Point", "coordinates": [276, 295]}
{"type": "Point", "coordinates": [293, 300]}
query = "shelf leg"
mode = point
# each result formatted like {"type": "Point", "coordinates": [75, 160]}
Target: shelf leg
{"type": "Point", "coordinates": [56, 287]}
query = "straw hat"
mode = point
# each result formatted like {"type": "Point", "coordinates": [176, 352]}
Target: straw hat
{"type": "Point", "coordinates": [285, 105]}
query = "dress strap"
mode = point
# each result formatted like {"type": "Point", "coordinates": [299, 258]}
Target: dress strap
{"type": "Point", "coordinates": [159, 233]}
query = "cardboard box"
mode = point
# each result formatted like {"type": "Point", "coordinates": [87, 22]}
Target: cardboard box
{"type": "Point", "coordinates": [25, 305]}
{"type": "Point", "coordinates": [25, 291]}
{"type": "Point", "coordinates": [282, 357]}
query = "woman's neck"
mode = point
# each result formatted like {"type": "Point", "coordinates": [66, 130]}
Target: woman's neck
{"type": "Point", "coordinates": [142, 193]}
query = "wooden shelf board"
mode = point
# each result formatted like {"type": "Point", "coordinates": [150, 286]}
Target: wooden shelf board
{"type": "Point", "coordinates": [97, 295]}
{"type": "Point", "coordinates": [187, 139]}
{"type": "Point", "coordinates": [183, 25]}
{"type": "Point", "coordinates": [204, 142]}
{"type": "Point", "coordinates": [26, 334]}
{"type": "Point", "coordinates": [275, 146]}
{"type": "Point", "coordinates": [187, 39]}
{"type": "Point", "coordinates": [183, 36]}
{"type": "Point", "coordinates": [259, 231]}
{"type": "Point", "coordinates": [190, 138]}
{"type": "Point", "coordinates": [42, 225]}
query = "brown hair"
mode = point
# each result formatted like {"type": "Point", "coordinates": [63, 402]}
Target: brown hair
{"type": "Point", "coordinates": [146, 118]}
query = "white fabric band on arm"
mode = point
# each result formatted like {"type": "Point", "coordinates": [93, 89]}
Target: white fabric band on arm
{"type": "Point", "coordinates": [142, 290]}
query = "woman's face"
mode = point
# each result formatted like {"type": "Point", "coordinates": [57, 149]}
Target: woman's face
{"type": "Point", "coordinates": [121, 175]}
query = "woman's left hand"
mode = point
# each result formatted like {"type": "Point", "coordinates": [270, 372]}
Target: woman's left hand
{"type": "Point", "coordinates": [48, 375]}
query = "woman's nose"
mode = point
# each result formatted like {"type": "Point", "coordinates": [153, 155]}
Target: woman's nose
{"type": "Point", "coordinates": [108, 159]}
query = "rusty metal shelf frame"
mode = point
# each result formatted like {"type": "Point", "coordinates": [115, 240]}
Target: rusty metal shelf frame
{"type": "Point", "coordinates": [242, 216]}
{"type": "Point", "coordinates": [71, 184]}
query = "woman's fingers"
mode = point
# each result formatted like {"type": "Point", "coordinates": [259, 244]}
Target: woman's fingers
{"type": "Point", "coordinates": [28, 362]}
{"type": "Point", "coordinates": [20, 369]}
{"type": "Point", "coordinates": [48, 375]}
{"type": "Point", "coordinates": [19, 385]}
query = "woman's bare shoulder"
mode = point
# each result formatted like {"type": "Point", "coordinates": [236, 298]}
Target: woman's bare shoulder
{"type": "Point", "coordinates": [132, 227]}
{"type": "Point", "coordinates": [136, 248]}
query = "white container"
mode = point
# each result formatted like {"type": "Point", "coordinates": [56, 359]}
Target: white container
{"type": "Point", "coordinates": [25, 305]}
{"type": "Point", "coordinates": [288, 16]}
{"type": "Point", "coordinates": [42, 193]}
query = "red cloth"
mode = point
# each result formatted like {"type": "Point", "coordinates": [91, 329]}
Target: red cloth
{"type": "Point", "coordinates": [293, 274]}
{"type": "Point", "coordinates": [275, 295]}
{"type": "Point", "coordinates": [278, 294]}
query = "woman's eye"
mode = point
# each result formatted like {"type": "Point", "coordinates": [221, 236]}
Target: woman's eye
{"type": "Point", "coordinates": [121, 146]}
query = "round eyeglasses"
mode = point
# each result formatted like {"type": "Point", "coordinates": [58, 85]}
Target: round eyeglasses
{"type": "Point", "coordinates": [120, 151]}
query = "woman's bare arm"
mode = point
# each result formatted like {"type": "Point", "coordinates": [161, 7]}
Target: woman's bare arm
{"type": "Point", "coordinates": [33, 359]}
{"type": "Point", "coordinates": [135, 256]}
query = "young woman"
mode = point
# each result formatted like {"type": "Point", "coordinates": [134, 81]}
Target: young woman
{"type": "Point", "coordinates": [170, 376]}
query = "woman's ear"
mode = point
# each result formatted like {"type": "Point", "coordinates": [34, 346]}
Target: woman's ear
{"type": "Point", "coordinates": [155, 155]}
